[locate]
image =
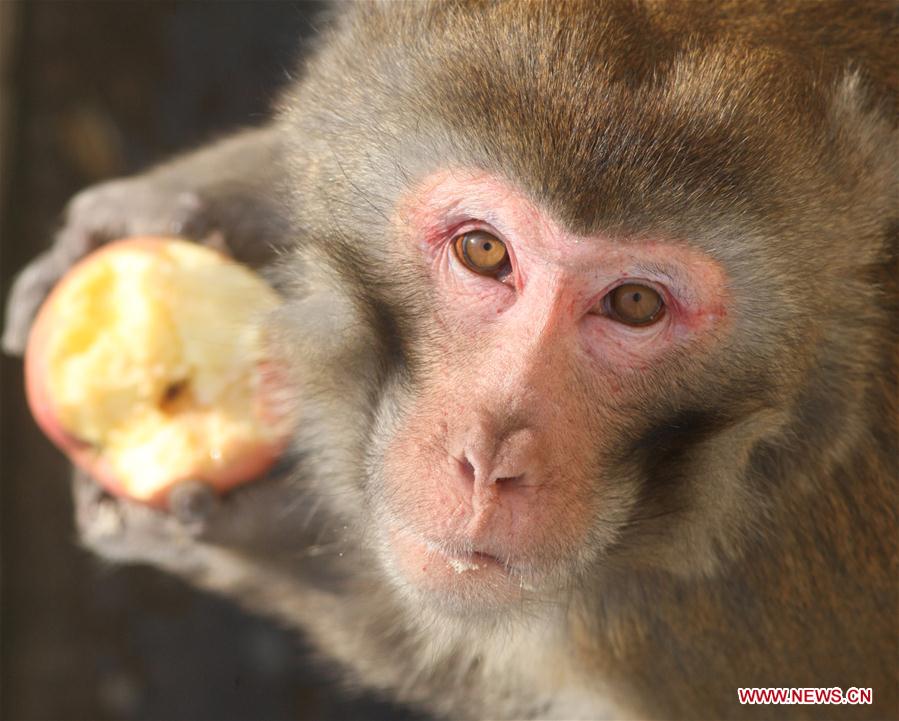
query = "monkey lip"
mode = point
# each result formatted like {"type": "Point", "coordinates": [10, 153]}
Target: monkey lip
{"type": "Point", "coordinates": [462, 561]}
{"type": "Point", "coordinates": [446, 571]}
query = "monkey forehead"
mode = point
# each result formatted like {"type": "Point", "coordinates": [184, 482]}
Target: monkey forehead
{"type": "Point", "coordinates": [610, 129]}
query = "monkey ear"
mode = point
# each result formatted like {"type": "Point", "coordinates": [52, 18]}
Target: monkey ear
{"type": "Point", "coordinates": [865, 128]}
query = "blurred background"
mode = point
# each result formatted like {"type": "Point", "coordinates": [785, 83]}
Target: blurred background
{"type": "Point", "coordinates": [88, 91]}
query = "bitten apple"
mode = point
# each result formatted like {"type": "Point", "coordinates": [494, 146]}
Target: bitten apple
{"type": "Point", "coordinates": [146, 366]}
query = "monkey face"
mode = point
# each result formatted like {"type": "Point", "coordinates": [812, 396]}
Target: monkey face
{"type": "Point", "coordinates": [594, 284]}
{"type": "Point", "coordinates": [501, 463]}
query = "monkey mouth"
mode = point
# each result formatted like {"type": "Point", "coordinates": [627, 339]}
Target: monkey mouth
{"type": "Point", "coordinates": [449, 571]}
{"type": "Point", "coordinates": [465, 561]}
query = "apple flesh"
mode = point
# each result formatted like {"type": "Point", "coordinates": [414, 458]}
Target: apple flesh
{"type": "Point", "coordinates": [146, 366]}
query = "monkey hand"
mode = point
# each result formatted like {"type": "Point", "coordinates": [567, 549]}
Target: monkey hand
{"type": "Point", "coordinates": [266, 518]}
{"type": "Point", "coordinates": [260, 544]}
{"type": "Point", "coordinates": [143, 205]}
{"type": "Point", "coordinates": [223, 192]}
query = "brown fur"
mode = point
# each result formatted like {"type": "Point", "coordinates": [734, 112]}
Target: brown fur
{"type": "Point", "coordinates": [762, 550]}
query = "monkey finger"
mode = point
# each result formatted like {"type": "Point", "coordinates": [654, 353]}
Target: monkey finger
{"type": "Point", "coordinates": [28, 291]}
{"type": "Point", "coordinates": [111, 210]}
{"type": "Point", "coordinates": [88, 225]}
{"type": "Point", "coordinates": [133, 206]}
{"type": "Point", "coordinates": [216, 240]}
{"type": "Point", "coordinates": [127, 532]}
{"type": "Point", "coordinates": [193, 503]}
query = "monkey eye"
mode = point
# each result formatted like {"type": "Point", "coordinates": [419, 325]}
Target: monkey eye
{"type": "Point", "coordinates": [634, 304]}
{"type": "Point", "coordinates": [481, 252]}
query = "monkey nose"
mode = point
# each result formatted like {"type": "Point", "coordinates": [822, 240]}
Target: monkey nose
{"type": "Point", "coordinates": [485, 460]}
{"type": "Point", "coordinates": [482, 475]}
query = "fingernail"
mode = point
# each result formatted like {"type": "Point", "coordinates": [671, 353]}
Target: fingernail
{"type": "Point", "coordinates": [192, 502]}
{"type": "Point", "coordinates": [216, 241]}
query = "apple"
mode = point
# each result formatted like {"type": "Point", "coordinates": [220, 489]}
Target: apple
{"type": "Point", "coordinates": [146, 366]}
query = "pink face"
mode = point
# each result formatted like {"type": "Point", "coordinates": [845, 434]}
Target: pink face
{"type": "Point", "coordinates": [492, 472]}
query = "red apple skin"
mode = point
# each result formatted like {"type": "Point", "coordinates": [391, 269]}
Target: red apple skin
{"type": "Point", "coordinates": [251, 462]}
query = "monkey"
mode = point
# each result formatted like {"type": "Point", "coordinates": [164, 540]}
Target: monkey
{"type": "Point", "coordinates": [589, 327]}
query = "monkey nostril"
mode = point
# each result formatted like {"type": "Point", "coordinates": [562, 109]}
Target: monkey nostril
{"type": "Point", "coordinates": [470, 472]}
{"type": "Point", "coordinates": [509, 480]}
{"type": "Point", "coordinates": [466, 469]}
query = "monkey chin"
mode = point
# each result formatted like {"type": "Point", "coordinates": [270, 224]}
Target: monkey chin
{"type": "Point", "coordinates": [456, 583]}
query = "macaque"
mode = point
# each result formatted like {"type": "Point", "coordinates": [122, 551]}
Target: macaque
{"type": "Point", "coordinates": [589, 325]}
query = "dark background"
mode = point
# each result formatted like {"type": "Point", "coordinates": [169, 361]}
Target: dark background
{"type": "Point", "coordinates": [91, 90]}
